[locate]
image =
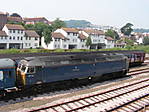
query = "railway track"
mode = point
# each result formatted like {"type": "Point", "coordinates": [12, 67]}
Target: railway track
{"type": "Point", "coordinates": [105, 101]}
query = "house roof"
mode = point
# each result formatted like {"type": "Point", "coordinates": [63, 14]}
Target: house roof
{"type": "Point", "coordinates": [31, 33]}
{"type": "Point", "coordinates": [81, 36]}
{"type": "Point", "coordinates": [16, 19]}
{"type": "Point", "coordinates": [14, 27]}
{"type": "Point", "coordinates": [2, 13]}
{"type": "Point", "coordinates": [73, 30]}
{"type": "Point", "coordinates": [93, 31]}
{"type": "Point", "coordinates": [3, 33]}
{"type": "Point", "coordinates": [35, 19]}
{"type": "Point", "coordinates": [57, 35]}
{"type": "Point", "coordinates": [109, 38]}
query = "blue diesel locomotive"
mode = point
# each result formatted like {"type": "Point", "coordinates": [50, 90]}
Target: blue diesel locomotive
{"type": "Point", "coordinates": [49, 69]}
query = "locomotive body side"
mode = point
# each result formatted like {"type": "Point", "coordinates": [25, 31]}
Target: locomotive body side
{"type": "Point", "coordinates": [61, 68]}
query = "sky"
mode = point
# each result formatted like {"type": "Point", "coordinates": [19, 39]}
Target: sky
{"type": "Point", "coordinates": [101, 12]}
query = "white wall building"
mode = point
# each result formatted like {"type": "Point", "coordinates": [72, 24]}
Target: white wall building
{"type": "Point", "coordinates": [17, 37]}
{"type": "Point", "coordinates": [109, 42]}
{"type": "Point", "coordinates": [97, 37]}
{"type": "Point", "coordinates": [72, 38]}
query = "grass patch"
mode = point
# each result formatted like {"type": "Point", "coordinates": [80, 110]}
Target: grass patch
{"type": "Point", "coordinates": [18, 51]}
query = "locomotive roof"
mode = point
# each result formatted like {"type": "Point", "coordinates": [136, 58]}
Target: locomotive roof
{"type": "Point", "coordinates": [6, 63]}
{"type": "Point", "coordinates": [63, 59]}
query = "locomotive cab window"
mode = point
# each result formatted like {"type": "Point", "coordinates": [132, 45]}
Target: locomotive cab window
{"type": "Point", "coordinates": [31, 70]}
{"type": "Point", "coordinates": [1, 75]}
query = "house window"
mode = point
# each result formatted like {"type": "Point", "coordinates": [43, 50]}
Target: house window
{"type": "Point", "coordinates": [18, 31]}
{"type": "Point", "coordinates": [21, 38]}
{"type": "Point", "coordinates": [13, 38]}
{"type": "Point", "coordinates": [6, 38]}
{"type": "Point", "coordinates": [29, 38]}
{"type": "Point", "coordinates": [55, 46]}
{"type": "Point", "coordinates": [26, 38]}
{"type": "Point", "coordinates": [36, 38]}
{"type": "Point", "coordinates": [25, 44]}
{"type": "Point", "coordinates": [64, 46]}
{"type": "Point", "coordinates": [36, 44]}
{"type": "Point", "coordinates": [68, 33]}
{"type": "Point", "coordinates": [2, 38]}
{"type": "Point", "coordinates": [74, 34]}
{"type": "Point", "coordinates": [10, 37]}
{"type": "Point", "coordinates": [29, 44]}
{"type": "Point", "coordinates": [13, 31]}
{"type": "Point", "coordinates": [18, 38]}
{"type": "Point", "coordinates": [82, 46]}
{"type": "Point", "coordinates": [10, 31]}
{"type": "Point", "coordinates": [21, 31]}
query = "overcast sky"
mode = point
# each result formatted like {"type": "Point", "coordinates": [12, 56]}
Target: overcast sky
{"type": "Point", "coordinates": [101, 12]}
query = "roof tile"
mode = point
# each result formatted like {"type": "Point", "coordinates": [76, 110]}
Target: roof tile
{"type": "Point", "coordinates": [31, 33]}
{"type": "Point", "coordinates": [3, 33]}
{"type": "Point", "coordinates": [14, 27]}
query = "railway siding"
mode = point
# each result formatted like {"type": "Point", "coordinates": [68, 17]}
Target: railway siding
{"type": "Point", "coordinates": [116, 95]}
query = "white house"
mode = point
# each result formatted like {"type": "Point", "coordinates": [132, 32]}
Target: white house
{"type": "Point", "coordinates": [59, 41]}
{"type": "Point", "coordinates": [66, 38]}
{"type": "Point", "coordinates": [31, 39]}
{"type": "Point", "coordinates": [109, 42]}
{"type": "Point", "coordinates": [97, 37]}
{"type": "Point", "coordinates": [3, 40]}
{"type": "Point", "coordinates": [72, 38]}
{"type": "Point", "coordinates": [17, 37]}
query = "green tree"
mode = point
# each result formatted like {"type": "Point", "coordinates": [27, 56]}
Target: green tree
{"type": "Point", "coordinates": [113, 34]}
{"type": "Point", "coordinates": [17, 23]}
{"type": "Point", "coordinates": [47, 35]}
{"type": "Point", "coordinates": [29, 27]}
{"type": "Point", "coordinates": [129, 41]}
{"type": "Point", "coordinates": [88, 42]}
{"type": "Point", "coordinates": [57, 24]}
{"type": "Point", "coordinates": [127, 29]}
{"type": "Point", "coordinates": [146, 41]}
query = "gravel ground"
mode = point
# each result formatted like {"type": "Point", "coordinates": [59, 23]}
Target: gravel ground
{"type": "Point", "coordinates": [48, 98]}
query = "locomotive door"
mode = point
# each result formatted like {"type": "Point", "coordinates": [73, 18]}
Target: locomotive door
{"type": "Point", "coordinates": [39, 74]}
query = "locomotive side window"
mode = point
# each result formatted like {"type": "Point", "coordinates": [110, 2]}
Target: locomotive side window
{"type": "Point", "coordinates": [1, 75]}
{"type": "Point", "coordinates": [23, 68]}
{"type": "Point", "coordinates": [31, 70]}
